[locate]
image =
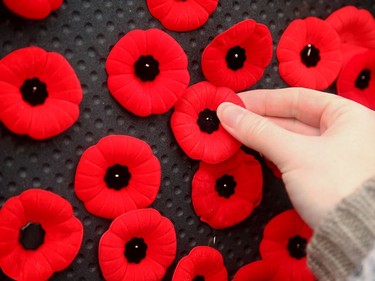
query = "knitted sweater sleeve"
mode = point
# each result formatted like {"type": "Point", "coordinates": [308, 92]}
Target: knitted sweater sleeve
{"type": "Point", "coordinates": [345, 237]}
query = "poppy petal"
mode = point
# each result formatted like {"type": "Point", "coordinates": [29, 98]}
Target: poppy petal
{"type": "Point", "coordinates": [33, 9]}
{"type": "Point", "coordinates": [257, 271]}
{"type": "Point", "coordinates": [238, 57]}
{"type": "Point", "coordinates": [147, 72]}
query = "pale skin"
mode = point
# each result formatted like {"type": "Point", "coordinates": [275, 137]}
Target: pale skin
{"type": "Point", "coordinates": [324, 145]}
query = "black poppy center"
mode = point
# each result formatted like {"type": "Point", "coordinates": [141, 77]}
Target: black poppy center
{"type": "Point", "coordinates": [236, 58]}
{"type": "Point", "coordinates": [34, 91]}
{"type": "Point", "coordinates": [208, 121]}
{"type": "Point", "coordinates": [310, 55]}
{"type": "Point", "coordinates": [31, 236]}
{"type": "Point", "coordinates": [146, 68]}
{"type": "Point", "coordinates": [117, 177]}
{"type": "Point", "coordinates": [297, 247]}
{"type": "Point", "coordinates": [225, 186]}
{"type": "Point", "coordinates": [363, 79]}
{"type": "Point", "coordinates": [199, 278]}
{"type": "Point", "coordinates": [135, 250]}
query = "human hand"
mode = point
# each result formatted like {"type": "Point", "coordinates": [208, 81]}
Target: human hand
{"type": "Point", "coordinates": [323, 144]}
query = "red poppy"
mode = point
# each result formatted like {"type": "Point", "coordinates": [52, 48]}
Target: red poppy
{"type": "Point", "coordinates": [309, 54]}
{"type": "Point", "coordinates": [117, 175]}
{"type": "Point", "coordinates": [38, 235]}
{"type": "Point", "coordinates": [238, 57]}
{"type": "Point", "coordinates": [258, 271]}
{"type": "Point", "coordinates": [356, 28]}
{"type": "Point", "coordinates": [196, 126]}
{"type": "Point", "coordinates": [33, 9]}
{"type": "Point", "coordinates": [203, 263]}
{"type": "Point", "coordinates": [182, 15]}
{"type": "Point", "coordinates": [284, 242]}
{"type": "Point", "coordinates": [139, 245]}
{"type": "Point", "coordinates": [147, 72]}
{"type": "Point", "coordinates": [225, 194]}
{"type": "Point", "coordinates": [39, 93]}
{"type": "Point", "coordinates": [356, 80]}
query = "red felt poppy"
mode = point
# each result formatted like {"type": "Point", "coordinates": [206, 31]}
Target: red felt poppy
{"type": "Point", "coordinates": [225, 194]}
{"type": "Point", "coordinates": [139, 246]}
{"type": "Point", "coordinates": [182, 15]}
{"type": "Point", "coordinates": [238, 57]}
{"type": "Point", "coordinates": [39, 92]}
{"type": "Point", "coordinates": [117, 175]}
{"type": "Point", "coordinates": [284, 242]}
{"type": "Point", "coordinates": [309, 54]}
{"type": "Point", "coordinates": [202, 263]}
{"type": "Point", "coordinates": [356, 28]}
{"type": "Point", "coordinates": [258, 271]}
{"type": "Point", "coordinates": [38, 235]}
{"type": "Point", "coordinates": [196, 126]}
{"type": "Point", "coordinates": [33, 9]}
{"type": "Point", "coordinates": [356, 80]}
{"type": "Point", "coordinates": [147, 72]}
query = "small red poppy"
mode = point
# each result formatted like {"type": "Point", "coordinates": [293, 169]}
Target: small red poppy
{"type": "Point", "coordinates": [139, 245]}
{"type": "Point", "coordinates": [147, 72]}
{"type": "Point", "coordinates": [38, 235]}
{"type": "Point", "coordinates": [284, 242]}
{"type": "Point", "coordinates": [31, 9]}
{"type": "Point", "coordinates": [258, 271]}
{"type": "Point", "coordinates": [356, 28]}
{"type": "Point", "coordinates": [196, 126]}
{"type": "Point", "coordinates": [238, 57]}
{"type": "Point", "coordinates": [203, 263]}
{"type": "Point", "coordinates": [356, 80]}
{"type": "Point", "coordinates": [39, 92]}
{"type": "Point", "coordinates": [117, 175]}
{"type": "Point", "coordinates": [309, 54]}
{"type": "Point", "coordinates": [182, 15]}
{"type": "Point", "coordinates": [225, 194]}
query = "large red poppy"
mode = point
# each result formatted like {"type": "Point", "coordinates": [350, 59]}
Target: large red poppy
{"type": "Point", "coordinates": [309, 54]}
{"type": "Point", "coordinates": [258, 271]}
{"type": "Point", "coordinates": [356, 28]}
{"type": "Point", "coordinates": [284, 242]}
{"type": "Point", "coordinates": [196, 126]}
{"type": "Point", "coordinates": [182, 15]}
{"type": "Point", "coordinates": [39, 93]}
{"type": "Point", "coordinates": [38, 235]}
{"type": "Point", "coordinates": [117, 175]}
{"type": "Point", "coordinates": [147, 72]}
{"type": "Point", "coordinates": [238, 57]}
{"type": "Point", "coordinates": [138, 246]}
{"type": "Point", "coordinates": [225, 194]}
{"type": "Point", "coordinates": [33, 9]}
{"type": "Point", "coordinates": [202, 263]}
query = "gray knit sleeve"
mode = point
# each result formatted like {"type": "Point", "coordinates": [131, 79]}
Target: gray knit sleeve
{"type": "Point", "coordinates": [345, 237]}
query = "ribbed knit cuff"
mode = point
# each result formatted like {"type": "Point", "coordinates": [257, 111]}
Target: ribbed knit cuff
{"type": "Point", "coordinates": [345, 237]}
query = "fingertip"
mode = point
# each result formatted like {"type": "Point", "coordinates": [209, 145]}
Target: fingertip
{"type": "Point", "coordinates": [230, 114]}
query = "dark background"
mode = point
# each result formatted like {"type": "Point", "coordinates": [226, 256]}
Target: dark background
{"type": "Point", "coordinates": [84, 31]}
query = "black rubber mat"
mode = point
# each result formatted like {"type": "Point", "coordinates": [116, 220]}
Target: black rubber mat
{"type": "Point", "coordinates": [84, 31]}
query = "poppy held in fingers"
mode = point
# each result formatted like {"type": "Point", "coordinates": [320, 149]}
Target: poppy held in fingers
{"type": "Point", "coordinates": [196, 126]}
{"type": "Point", "coordinates": [203, 263]}
{"type": "Point", "coordinates": [257, 271]}
{"type": "Point", "coordinates": [182, 15]}
{"type": "Point", "coordinates": [39, 92]}
{"type": "Point", "coordinates": [309, 54]}
{"type": "Point", "coordinates": [117, 175]}
{"type": "Point", "coordinates": [225, 194]}
{"type": "Point", "coordinates": [238, 57]}
{"type": "Point", "coordinates": [356, 28]}
{"type": "Point", "coordinates": [39, 235]}
{"type": "Point", "coordinates": [356, 80]}
{"type": "Point", "coordinates": [31, 9]}
{"type": "Point", "coordinates": [284, 242]}
{"type": "Point", "coordinates": [147, 72]}
{"type": "Point", "coordinates": [138, 246]}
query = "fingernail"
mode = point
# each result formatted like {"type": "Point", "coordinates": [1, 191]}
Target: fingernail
{"type": "Point", "coordinates": [230, 114]}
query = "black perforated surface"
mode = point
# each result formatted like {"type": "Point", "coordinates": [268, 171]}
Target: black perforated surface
{"type": "Point", "coordinates": [84, 31]}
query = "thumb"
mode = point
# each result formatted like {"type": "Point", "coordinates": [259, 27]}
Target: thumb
{"type": "Point", "coordinates": [258, 133]}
